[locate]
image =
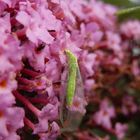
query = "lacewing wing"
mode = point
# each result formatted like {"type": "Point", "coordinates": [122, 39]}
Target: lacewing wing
{"type": "Point", "coordinates": [70, 114]}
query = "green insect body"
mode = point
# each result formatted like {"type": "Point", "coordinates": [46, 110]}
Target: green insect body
{"type": "Point", "coordinates": [72, 74]}
{"type": "Point", "coordinates": [74, 88]}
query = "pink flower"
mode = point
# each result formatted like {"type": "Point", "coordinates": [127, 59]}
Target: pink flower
{"type": "Point", "coordinates": [5, 26]}
{"type": "Point", "coordinates": [91, 33]}
{"type": "Point", "coordinates": [38, 31]}
{"type": "Point", "coordinates": [36, 58]}
{"type": "Point", "coordinates": [7, 85]}
{"type": "Point", "coordinates": [135, 68]}
{"type": "Point", "coordinates": [105, 114]}
{"type": "Point", "coordinates": [69, 17]}
{"type": "Point", "coordinates": [9, 61]}
{"type": "Point", "coordinates": [52, 134]}
{"type": "Point", "coordinates": [55, 1]}
{"type": "Point", "coordinates": [41, 127]}
{"type": "Point", "coordinates": [131, 29]}
{"type": "Point", "coordinates": [129, 105]}
{"type": "Point", "coordinates": [11, 119]}
{"type": "Point", "coordinates": [12, 136]}
{"type": "Point", "coordinates": [76, 6]}
{"type": "Point", "coordinates": [113, 41]}
{"type": "Point", "coordinates": [11, 3]}
{"type": "Point", "coordinates": [89, 83]}
{"type": "Point", "coordinates": [52, 70]}
{"type": "Point", "coordinates": [2, 7]}
{"type": "Point", "coordinates": [87, 63]}
{"type": "Point", "coordinates": [102, 13]}
{"type": "Point", "coordinates": [49, 113]}
{"type": "Point", "coordinates": [120, 130]}
{"type": "Point", "coordinates": [78, 105]}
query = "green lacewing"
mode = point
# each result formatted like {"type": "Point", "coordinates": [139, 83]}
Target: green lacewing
{"type": "Point", "coordinates": [73, 87]}
{"type": "Point", "coordinates": [71, 82]}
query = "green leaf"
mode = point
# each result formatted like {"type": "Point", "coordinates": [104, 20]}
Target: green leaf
{"type": "Point", "coordinates": [129, 13]}
{"type": "Point", "coordinates": [98, 132]}
{"type": "Point", "coordinates": [102, 133]}
{"type": "Point", "coordinates": [122, 3]}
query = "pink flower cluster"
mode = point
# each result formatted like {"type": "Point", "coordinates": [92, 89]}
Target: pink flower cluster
{"type": "Point", "coordinates": [33, 37]}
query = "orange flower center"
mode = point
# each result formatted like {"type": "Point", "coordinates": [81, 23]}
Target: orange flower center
{"type": "Point", "coordinates": [1, 114]}
{"type": "Point", "coordinates": [3, 83]}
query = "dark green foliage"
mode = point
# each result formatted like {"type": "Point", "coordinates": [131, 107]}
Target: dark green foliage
{"type": "Point", "coordinates": [129, 13]}
{"type": "Point", "coordinates": [122, 3]}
